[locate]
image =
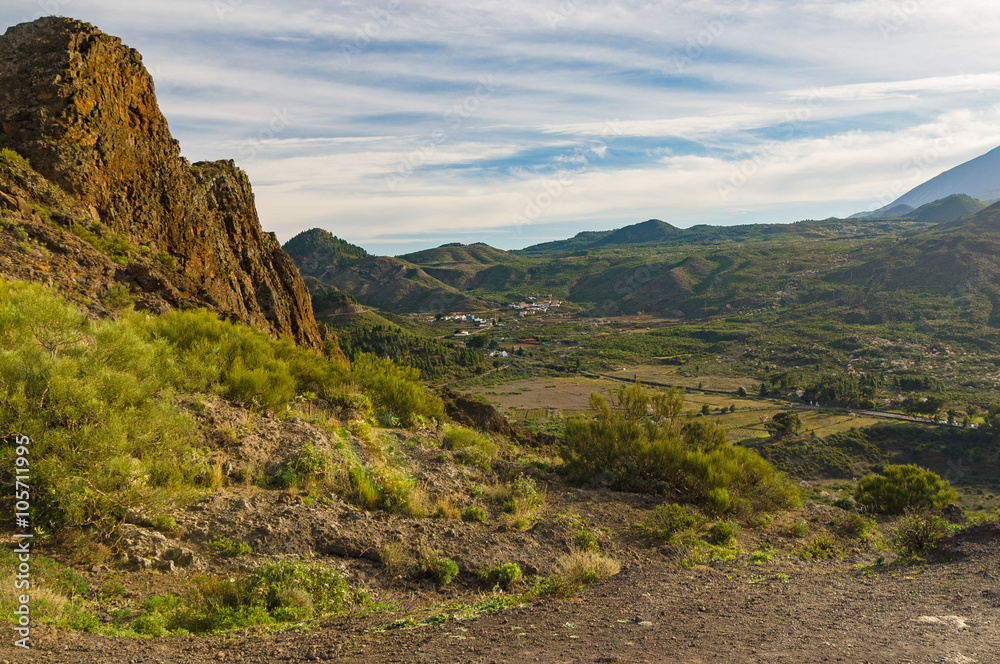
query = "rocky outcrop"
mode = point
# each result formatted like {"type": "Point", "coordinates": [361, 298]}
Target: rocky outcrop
{"type": "Point", "coordinates": [80, 106]}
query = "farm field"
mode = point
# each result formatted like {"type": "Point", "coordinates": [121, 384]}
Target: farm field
{"type": "Point", "coordinates": [544, 399]}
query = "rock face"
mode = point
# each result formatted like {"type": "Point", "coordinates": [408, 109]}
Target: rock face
{"type": "Point", "coordinates": [80, 106]}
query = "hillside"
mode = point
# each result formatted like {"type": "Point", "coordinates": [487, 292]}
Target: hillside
{"type": "Point", "coordinates": [94, 190]}
{"type": "Point", "coordinates": [327, 262]}
{"type": "Point", "coordinates": [978, 178]}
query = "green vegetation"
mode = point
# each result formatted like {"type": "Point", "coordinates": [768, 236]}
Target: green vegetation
{"type": "Point", "coordinates": [470, 446]}
{"type": "Point", "coordinates": [97, 399]}
{"type": "Point", "coordinates": [435, 566]}
{"type": "Point", "coordinates": [226, 547]}
{"type": "Point", "coordinates": [436, 360]}
{"type": "Point", "coordinates": [638, 440]}
{"type": "Point", "coordinates": [900, 488]}
{"type": "Point", "coordinates": [666, 521]}
{"type": "Point", "coordinates": [917, 534]}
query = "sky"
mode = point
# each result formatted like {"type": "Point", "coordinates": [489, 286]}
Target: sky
{"type": "Point", "coordinates": [400, 125]}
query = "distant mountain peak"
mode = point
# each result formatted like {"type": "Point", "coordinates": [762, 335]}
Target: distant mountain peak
{"type": "Point", "coordinates": [978, 178]}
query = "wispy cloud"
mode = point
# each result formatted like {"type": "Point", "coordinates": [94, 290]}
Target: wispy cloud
{"type": "Point", "coordinates": [369, 117]}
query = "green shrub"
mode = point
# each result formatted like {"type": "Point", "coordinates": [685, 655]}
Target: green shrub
{"type": "Point", "coordinates": [474, 513]}
{"type": "Point", "coordinates": [226, 547]}
{"type": "Point", "coordinates": [918, 533]}
{"type": "Point", "coordinates": [665, 521]}
{"type": "Point", "coordinates": [395, 389]}
{"type": "Point", "coordinates": [276, 593]}
{"type": "Point", "coordinates": [900, 488]}
{"type": "Point", "coordinates": [853, 526]}
{"type": "Point", "coordinates": [820, 548]}
{"type": "Point", "coordinates": [722, 532]}
{"type": "Point", "coordinates": [165, 524]}
{"type": "Point", "coordinates": [95, 400]}
{"type": "Point", "coordinates": [585, 540]}
{"type": "Point", "coordinates": [634, 448]}
{"type": "Point", "coordinates": [442, 570]}
{"type": "Point", "coordinates": [718, 501]}
{"type": "Point", "coordinates": [508, 574]}
{"type": "Point", "coordinates": [470, 446]}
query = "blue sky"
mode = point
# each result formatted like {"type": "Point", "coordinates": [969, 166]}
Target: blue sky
{"type": "Point", "coordinates": [404, 124]}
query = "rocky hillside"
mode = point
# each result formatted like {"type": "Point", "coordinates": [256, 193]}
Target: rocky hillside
{"type": "Point", "coordinates": [96, 198]}
{"type": "Point", "coordinates": [392, 284]}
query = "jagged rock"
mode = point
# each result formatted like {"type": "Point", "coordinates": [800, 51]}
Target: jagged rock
{"type": "Point", "coordinates": [80, 106]}
{"type": "Point", "coordinates": [179, 556]}
{"type": "Point", "coordinates": [163, 565]}
{"type": "Point", "coordinates": [139, 542]}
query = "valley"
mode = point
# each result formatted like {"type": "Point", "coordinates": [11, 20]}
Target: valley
{"type": "Point", "coordinates": [764, 442]}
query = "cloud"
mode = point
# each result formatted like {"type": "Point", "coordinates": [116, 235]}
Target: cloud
{"type": "Point", "coordinates": [371, 117]}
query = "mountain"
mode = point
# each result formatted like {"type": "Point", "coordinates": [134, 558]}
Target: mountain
{"type": "Point", "coordinates": [393, 284]}
{"type": "Point", "coordinates": [947, 209]}
{"type": "Point", "coordinates": [652, 230]}
{"type": "Point", "coordinates": [97, 199]}
{"type": "Point", "coordinates": [978, 178]}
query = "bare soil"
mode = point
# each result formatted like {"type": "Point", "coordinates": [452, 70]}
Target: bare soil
{"type": "Point", "coordinates": [943, 611]}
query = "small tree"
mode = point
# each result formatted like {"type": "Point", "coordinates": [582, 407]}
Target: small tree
{"type": "Point", "coordinates": [903, 487]}
{"type": "Point", "coordinates": [785, 423]}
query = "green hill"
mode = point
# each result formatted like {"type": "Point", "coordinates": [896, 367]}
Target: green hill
{"type": "Point", "coordinates": [327, 262]}
{"type": "Point", "coordinates": [947, 209]}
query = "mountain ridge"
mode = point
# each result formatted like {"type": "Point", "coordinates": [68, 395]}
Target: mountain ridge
{"type": "Point", "coordinates": [78, 108]}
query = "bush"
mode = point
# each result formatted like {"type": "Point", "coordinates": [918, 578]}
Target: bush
{"type": "Point", "coordinates": [820, 548]}
{"type": "Point", "coordinates": [634, 448]}
{"type": "Point", "coordinates": [95, 400]}
{"type": "Point", "coordinates": [474, 513]}
{"type": "Point", "coordinates": [853, 526]}
{"type": "Point", "coordinates": [901, 488]}
{"type": "Point", "coordinates": [226, 547]}
{"type": "Point", "coordinates": [585, 540]}
{"type": "Point", "coordinates": [508, 574]}
{"type": "Point", "coordinates": [278, 592]}
{"type": "Point", "coordinates": [722, 532]}
{"type": "Point", "coordinates": [665, 521]}
{"type": "Point", "coordinates": [917, 533]}
{"type": "Point", "coordinates": [442, 570]}
{"type": "Point", "coordinates": [583, 567]}
{"type": "Point", "coordinates": [469, 446]}
{"type": "Point", "coordinates": [395, 389]}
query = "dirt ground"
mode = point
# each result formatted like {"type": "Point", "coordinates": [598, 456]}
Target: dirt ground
{"type": "Point", "coordinates": [945, 611]}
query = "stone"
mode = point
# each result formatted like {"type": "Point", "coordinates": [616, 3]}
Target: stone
{"type": "Point", "coordinates": [81, 108]}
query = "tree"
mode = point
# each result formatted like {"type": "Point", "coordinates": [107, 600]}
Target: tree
{"type": "Point", "coordinates": [741, 392]}
{"type": "Point", "coordinates": [785, 423]}
{"type": "Point", "coordinates": [903, 487]}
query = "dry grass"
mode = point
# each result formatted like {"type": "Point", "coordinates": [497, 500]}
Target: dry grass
{"type": "Point", "coordinates": [585, 566]}
{"type": "Point", "coordinates": [396, 560]}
